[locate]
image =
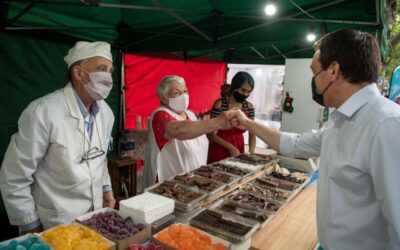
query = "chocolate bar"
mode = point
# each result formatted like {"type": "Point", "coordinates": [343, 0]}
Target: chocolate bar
{"type": "Point", "coordinates": [215, 220]}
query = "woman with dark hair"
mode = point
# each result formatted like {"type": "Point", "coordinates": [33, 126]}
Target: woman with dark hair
{"type": "Point", "coordinates": [226, 143]}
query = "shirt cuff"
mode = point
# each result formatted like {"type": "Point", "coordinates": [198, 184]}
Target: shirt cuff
{"type": "Point", "coordinates": [287, 144]}
{"type": "Point", "coordinates": [106, 188]}
{"type": "Point", "coordinates": [29, 226]}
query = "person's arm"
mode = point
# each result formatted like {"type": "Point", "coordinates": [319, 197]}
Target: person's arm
{"type": "Point", "coordinates": [252, 137]}
{"type": "Point", "coordinates": [252, 142]}
{"type": "Point", "coordinates": [385, 174]}
{"type": "Point", "coordinates": [27, 148]}
{"type": "Point", "coordinates": [290, 144]}
{"type": "Point", "coordinates": [213, 137]}
{"type": "Point", "coordinates": [184, 130]}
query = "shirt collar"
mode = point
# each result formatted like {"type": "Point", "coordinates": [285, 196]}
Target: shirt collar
{"type": "Point", "coordinates": [95, 108]}
{"type": "Point", "coordinates": [357, 100]}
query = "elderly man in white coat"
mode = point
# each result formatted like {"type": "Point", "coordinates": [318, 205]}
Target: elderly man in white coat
{"type": "Point", "coordinates": [177, 141]}
{"type": "Point", "coordinates": [55, 167]}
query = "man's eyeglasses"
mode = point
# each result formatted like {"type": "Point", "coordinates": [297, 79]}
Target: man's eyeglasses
{"type": "Point", "coordinates": [94, 152]}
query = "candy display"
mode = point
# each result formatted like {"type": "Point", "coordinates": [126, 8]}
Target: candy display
{"type": "Point", "coordinates": [252, 187]}
{"type": "Point", "coordinates": [113, 225]}
{"type": "Point", "coordinates": [231, 169]}
{"type": "Point", "coordinates": [183, 237]}
{"type": "Point", "coordinates": [278, 183]}
{"type": "Point", "coordinates": [74, 236]}
{"type": "Point", "coordinates": [254, 201]}
{"type": "Point", "coordinates": [28, 242]}
{"type": "Point", "coordinates": [284, 174]}
{"type": "Point", "coordinates": [150, 246]}
{"type": "Point", "coordinates": [255, 158]}
{"type": "Point", "coordinates": [173, 190]}
{"type": "Point", "coordinates": [243, 212]}
{"type": "Point", "coordinates": [210, 172]}
{"type": "Point", "coordinates": [217, 221]}
{"type": "Point", "coordinates": [203, 183]}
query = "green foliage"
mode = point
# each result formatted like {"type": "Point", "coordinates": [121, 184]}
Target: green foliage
{"type": "Point", "coordinates": [394, 49]}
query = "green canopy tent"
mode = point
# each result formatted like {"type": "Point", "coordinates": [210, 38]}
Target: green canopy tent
{"type": "Point", "coordinates": [36, 34]}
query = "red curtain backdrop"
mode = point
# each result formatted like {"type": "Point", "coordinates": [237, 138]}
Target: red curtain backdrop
{"type": "Point", "coordinates": [144, 72]}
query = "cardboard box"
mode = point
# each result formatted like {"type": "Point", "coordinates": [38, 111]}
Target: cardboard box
{"type": "Point", "coordinates": [214, 239]}
{"type": "Point", "coordinates": [112, 244]}
{"type": "Point", "coordinates": [123, 244]}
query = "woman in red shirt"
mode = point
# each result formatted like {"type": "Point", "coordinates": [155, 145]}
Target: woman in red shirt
{"type": "Point", "coordinates": [226, 143]}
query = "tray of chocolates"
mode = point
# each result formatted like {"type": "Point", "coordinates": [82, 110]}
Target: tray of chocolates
{"type": "Point", "coordinates": [256, 159]}
{"type": "Point", "coordinates": [289, 174]}
{"type": "Point", "coordinates": [229, 227]}
{"type": "Point", "coordinates": [253, 201]}
{"type": "Point", "coordinates": [231, 169]}
{"type": "Point", "coordinates": [210, 186]}
{"type": "Point", "coordinates": [229, 207]}
{"type": "Point", "coordinates": [273, 182]}
{"type": "Point", "coordinates": [185, 198]}
{"type": "Point", "coordinates": [266, 191]}
{"type": "Point", "coordinates": [212, 173]}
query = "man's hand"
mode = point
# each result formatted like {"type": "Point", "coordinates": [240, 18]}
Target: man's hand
{"type": "Point", "coordinates": [225, 119]}
{"type": "Point", "coordinates": [37, 229]}
{"type": "Point", "coordinates": [239, 119]}
{"type": "Point", "coordinates": [108, 199]}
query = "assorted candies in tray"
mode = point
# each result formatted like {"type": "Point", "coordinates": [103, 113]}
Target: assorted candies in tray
{"type": "Point", "coordinates": [183, 237]}
{"type": "Point", "coordinates": [28, 242]}
{"type": "Point", "coordinates": [75, 236]}
{"type": "Point", "coordinates": [113, 225]}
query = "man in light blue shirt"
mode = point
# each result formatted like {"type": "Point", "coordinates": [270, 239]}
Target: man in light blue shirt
{"type": "Point", "coordinates": [358, 199]}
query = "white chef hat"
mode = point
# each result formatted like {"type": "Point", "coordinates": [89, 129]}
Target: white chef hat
{"type": "Point", "coordinates": [83, 50]}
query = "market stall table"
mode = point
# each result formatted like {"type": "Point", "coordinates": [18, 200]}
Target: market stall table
{"type": "Point", "coordinates": [294, 227]}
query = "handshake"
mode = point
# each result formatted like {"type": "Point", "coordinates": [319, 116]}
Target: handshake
{"type": "Point", "coordinates": [233, 118]}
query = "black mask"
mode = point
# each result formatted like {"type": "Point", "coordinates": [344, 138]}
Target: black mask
{"type": "Point", "coordinates": [239, 97]}
{"type": "Point", "coordinates": [318, 97]}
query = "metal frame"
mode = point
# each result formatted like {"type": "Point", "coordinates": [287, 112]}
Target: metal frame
{"type": "Point", "coordinates": [280, 19]}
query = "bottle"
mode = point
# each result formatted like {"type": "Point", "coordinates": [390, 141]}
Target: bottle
{"type": "Point", "coordinates": [127, 144]}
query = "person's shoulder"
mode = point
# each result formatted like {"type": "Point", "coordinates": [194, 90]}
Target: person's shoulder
{"type": "Point", "coordinates": [217, 103]}
{"type": "Point", "coordinates": [161, 114]}
{"type": "Point", "coordinates": [250, 105]}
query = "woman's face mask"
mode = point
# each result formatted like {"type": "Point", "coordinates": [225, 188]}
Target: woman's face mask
{"type": "Point", "coordinates": [180, 103]}
{"type": "Point", "coordinates": [99, 85]}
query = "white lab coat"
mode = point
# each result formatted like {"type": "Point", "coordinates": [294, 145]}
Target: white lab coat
{"type": "Point", "coordinates": [41, 176]}
{"type": "Point", "coordinates": [177, 156]}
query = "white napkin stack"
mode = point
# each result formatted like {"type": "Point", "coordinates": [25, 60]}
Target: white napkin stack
{"type": "Point", "coordinates": [147, 206]}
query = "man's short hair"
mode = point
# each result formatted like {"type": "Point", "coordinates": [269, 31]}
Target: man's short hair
{"type": "Point", "coordinates": [162, 88]}
{"type": "Point", "coordinates": [357, 53]}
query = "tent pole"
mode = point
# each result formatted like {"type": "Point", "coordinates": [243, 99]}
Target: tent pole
{"type": "Point", "coordinates": [22, 12]}
{"type": "Point", "coordinates": [121, 120]}
{"type": "Point", "coordinates": [257, 52]}
{"type": "Point", "coordinates": [183, 21]}
{"type": "Point", "coordinates": [277, 50]}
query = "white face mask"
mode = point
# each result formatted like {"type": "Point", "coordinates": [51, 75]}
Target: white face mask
{"type": "Point", "coordinates": [180, 103]}
{"type": "Point", "coordinates": [99, 85]}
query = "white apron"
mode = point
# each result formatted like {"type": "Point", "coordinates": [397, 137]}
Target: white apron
{"type": "Point", "coordinates": [177, 156]}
